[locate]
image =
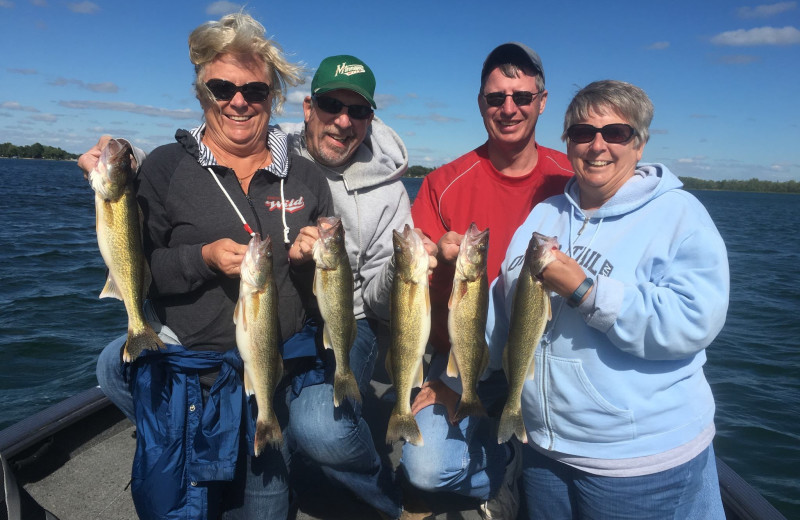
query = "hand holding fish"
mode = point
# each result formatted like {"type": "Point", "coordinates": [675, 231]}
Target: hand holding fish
{"type": "Point", "coordinates": [225, 256]}
{"type": "Point", "coordinates": [303, 247]}
{"type": "Point", "coordinates": [436, 392]}
{"type": "Point", "coordinates": [88, 161]}
{"type": "Point", "coordinates": [449, 245]}
{"type": "Point", "coordinates": [563, 275]}
{"type": "Point", "coordinates": [431, 248]}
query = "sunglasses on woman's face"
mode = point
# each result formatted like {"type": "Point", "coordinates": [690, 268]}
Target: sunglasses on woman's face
{"type": "Point", "coordinates": [617, 133]}
{"type": "Point", "coordinates": [253, 92]}
{"type": "Point", "coordinates": [332, 105]}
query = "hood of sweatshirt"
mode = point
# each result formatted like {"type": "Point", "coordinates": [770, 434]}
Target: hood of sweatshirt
{"type": "Point", "coordinates": [649, 181]}
{"type": "Point", "coordinates": [381, 157]}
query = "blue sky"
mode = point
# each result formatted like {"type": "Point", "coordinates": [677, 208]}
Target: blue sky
{"type": "Point", "coordinates": [724, 75]}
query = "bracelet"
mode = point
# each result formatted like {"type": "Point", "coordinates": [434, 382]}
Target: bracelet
{"type": "Point", "coordinates": [576, 297]}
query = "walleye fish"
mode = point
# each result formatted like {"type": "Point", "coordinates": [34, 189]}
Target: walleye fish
{"type": "Point", "coordinates": [120, 241]}
{"type": "Point", "coordinates": [256, 319]}
{"type": "Point", "coordinates": [466, 322]}
{"type": "Point", "coordinates": [333, 287]}
{"type": "Point", "coordinates": [410, 325]}
{"type": "Point", "coordinates": [530, 313]}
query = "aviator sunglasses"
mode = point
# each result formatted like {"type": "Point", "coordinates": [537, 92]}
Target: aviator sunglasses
{"type": "Point", "coordinates": [253, 92]}
{"type": "Point", "coordinates": [334, 106]}
{"type": "Point", "coordinates": [521, 98]}
{"type": "Point", "coordinates": [617, 133]}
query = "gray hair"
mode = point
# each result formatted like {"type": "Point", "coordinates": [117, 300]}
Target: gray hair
{"type": "Point", "coordinates": [511, 70]}
{"type": "Point", "coordinates": [240, 34]}
{"type": "Point", "coordinates": [626, 100]}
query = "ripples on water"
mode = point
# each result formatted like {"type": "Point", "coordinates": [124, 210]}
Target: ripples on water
{"type": "Point", "coordinates": [53, 326]}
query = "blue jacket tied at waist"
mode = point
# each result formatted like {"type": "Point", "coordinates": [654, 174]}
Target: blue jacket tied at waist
{"type": "Point", "coordinates": [183, 444]}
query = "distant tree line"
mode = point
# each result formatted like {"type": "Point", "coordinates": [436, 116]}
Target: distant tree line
{"type": "Point", "coordinates": [35, 151]}
{"type": "Point", "coordinates": [752, 185]}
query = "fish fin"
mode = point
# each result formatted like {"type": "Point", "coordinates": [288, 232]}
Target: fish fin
{"type": "Point", "coordinates": [326, 337]}
{"type": "Point", "coordinates": [469, 407]}
{"type": "Point", "coordinates": [419, 378]}
{"type": "Point", "coordinates": [268, 431]}
{"type": "Point", "coordinates": [452, 364]}
{"type": "Point", "coordinates": [110, 289]}
{"type": "Point", "coordinates": [531, 369]}
{"type": "Point", "coordinates": [505, 362]}
{"type": "Point", "coordinates": [511, 423]}
{"type": "Point", "coordinates": [387, 364]}
{"type": "Point", "coordinates": [345, 385]}
{"type": "Point", "coordinates": [458, 292]}
{"type": "Point", "coordinates": [403, 426]}
{"type": "Point", "coordinates": [236, 311]}
{"type": "Point", "coordinates": [147, 339]}
{"type": "Point", "coordinates": [248, 384]}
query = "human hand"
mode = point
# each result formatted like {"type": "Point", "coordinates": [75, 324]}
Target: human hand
{"type": "Point", "coordinates": [431, 248]}
{"type": "Point", "coordinates": [88, 161]}
{"type": "Point", "coordinates": [436, 392]}
{"type": "Point", "coordinates": [303, 247]}
{"type": "Point", "coordinates": [449, 245]}
{"type": "Point", "coordinates": [563, 275]}
{"type": "Point", "coordinates": [225, 256]}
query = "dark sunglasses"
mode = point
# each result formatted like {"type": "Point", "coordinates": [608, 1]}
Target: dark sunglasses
{"type": "Point", "coordinates": [253, 92]}
{"type": "Point", "coordinates": [617, 133]}
{"type": "Point", "coordinates": [334, 106]}
{"type": "Point", "coordinates": [521, 98]}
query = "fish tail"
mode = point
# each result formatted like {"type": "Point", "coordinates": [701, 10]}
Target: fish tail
{"type": "Point", "coordinates": [511, 423]}
{"type": "Point", "coordinates": [344, 385]}
{"type": "Point", "coordinates": [469, 407]}
{"type": "Point", "coordinates": [146, 339]}
{"type": "Point", "coordinates": [403, 426]}
{"type": "Point", "coordinates": [267, 431]}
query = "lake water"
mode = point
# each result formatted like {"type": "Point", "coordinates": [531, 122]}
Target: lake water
{"type": "Point", "coordinates": [52, 324]}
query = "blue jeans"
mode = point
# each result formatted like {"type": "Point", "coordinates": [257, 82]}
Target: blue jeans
{"type": "Point", "coordinates": [464, 458]}
{"type": "Point", "coordinates": [339, 440]}
{"type": "Point", "coordinates": [553, 490]}
{"type": "Point", "coordinates": [336, 439]}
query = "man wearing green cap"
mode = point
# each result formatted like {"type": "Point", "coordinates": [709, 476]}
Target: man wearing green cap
{"type": "Point", "coordinates": [363, 160]}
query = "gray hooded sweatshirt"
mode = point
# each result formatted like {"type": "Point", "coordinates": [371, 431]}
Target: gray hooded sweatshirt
{"type": "Point", "coordinates": [372, 202]}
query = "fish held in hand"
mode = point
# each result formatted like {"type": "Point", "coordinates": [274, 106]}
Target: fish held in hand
{"type": "Point", "coordinates": [530, 312]}
{"type": "Point", "coordinates": [466, 322]}
{"type": "Point", "coordinates": [333, 287]}
{"type": "Point", "coordinates": [256, 319]}
{"type": "Point", "coordinates": [119, 238]}
{"type": "Point", "coordinates": [410, 326]}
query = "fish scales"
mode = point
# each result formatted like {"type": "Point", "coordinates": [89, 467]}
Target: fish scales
{"type": "Point", "coordinates": [466, 324]}
{"type": "Point", "coordinates": [333, 287]}
{"type": "Point", "coordinates": [410, 325]}
{"type": "Point", "coordinates": [119, 239]}
{"type": "Point", "coordinates": [530, 313]}
{"type": "Point", "coordinates": [256, 319]}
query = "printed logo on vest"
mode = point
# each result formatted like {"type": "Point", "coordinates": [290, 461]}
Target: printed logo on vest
{"type": "Point", "coordinates": [292, 205]}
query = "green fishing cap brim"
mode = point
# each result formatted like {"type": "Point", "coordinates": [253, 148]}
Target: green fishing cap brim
{"type": "Point", "coordinates": [344, 72]}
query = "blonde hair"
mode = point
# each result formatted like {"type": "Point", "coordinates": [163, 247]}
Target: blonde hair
{"type": "Point", "coordinates": [240, 34]}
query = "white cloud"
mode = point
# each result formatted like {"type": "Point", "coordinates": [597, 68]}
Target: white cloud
{"type": "Point", "coordinates": [759, 36]}
{"type": "Point", "coordinates": [222, 8]}
{"type": "Point", "coordinates": [765, 10]}
{"type": "Point", "coordinates": [13, 105]}
{"type": "Point", "coordinates": [6, 4]}
{"type": "Point", "coordinates": [46, 118]}
{"type": "Point", "coordinates": [24, 72]}
{"type": "Point", "coordinates": [657, 46]}
{"type": "Point", "coordinates": [134, 109]}
{"type": "Point", "coordinates": [84, 7]}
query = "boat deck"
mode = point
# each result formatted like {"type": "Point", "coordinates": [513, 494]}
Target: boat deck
{"type": "Point", "coordinates": [75, 479]}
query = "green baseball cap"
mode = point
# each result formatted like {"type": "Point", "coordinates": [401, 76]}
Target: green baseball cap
{"type": "Point", "coordinates": [344, 72]}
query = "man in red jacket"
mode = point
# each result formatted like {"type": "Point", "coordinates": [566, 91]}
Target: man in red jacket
{"type": "Point", "coordinates": [495, 185]}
